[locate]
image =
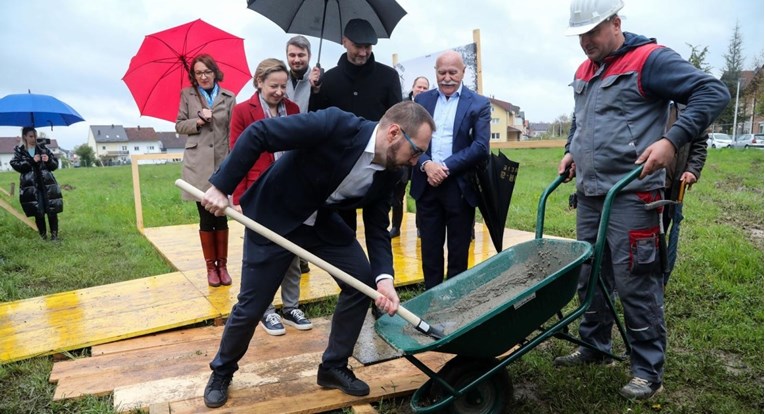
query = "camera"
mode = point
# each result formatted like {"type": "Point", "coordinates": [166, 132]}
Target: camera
{"type": "Point", "coordinates": [43, 141]}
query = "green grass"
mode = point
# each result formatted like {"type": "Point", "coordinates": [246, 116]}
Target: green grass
{"type": "Point", "coordinates": [714, 301]}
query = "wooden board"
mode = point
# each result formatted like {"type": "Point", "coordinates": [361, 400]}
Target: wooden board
{"type": "Point", "coordinates": [169, 371]}
{"type": "Point", "coordinates": [77, 319]}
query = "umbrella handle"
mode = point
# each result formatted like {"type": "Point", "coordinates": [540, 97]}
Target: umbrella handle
{"type": "Point", "coordinates": [264, 231]}
{"type": "Point", "coordinates": [681, 194]}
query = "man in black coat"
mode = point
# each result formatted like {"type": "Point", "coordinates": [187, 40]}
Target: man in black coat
{"type": "Point", "coordinates": [334, 161]}
{"type": "Point", "coordinates": [358, 84]}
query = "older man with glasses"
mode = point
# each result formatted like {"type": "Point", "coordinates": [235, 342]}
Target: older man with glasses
{"type": "Point", "coordinates": [445, 198]}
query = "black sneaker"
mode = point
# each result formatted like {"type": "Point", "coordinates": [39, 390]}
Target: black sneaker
{"type": "Point", "coordinates": [272, 323]}
{"type": "Point", "coordinates": [216, 391]}
{"type": "Point", "coordinates": [296, 318]}
{"type": "Point", "coordinates": [343, 380]}
{"type": "Point", "coordinates": [395, 232]}
{"type": "Point", "coordinates": [304, 266]}
{"type": "Point", "coordinates": [578, 358]}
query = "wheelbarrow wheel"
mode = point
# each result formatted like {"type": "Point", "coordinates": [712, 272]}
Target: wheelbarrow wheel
{"type": "Point", "coordinates": [491, 396]}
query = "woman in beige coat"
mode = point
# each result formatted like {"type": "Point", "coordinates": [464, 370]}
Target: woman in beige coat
{"type": "Point", "coordinates": [205, 115]}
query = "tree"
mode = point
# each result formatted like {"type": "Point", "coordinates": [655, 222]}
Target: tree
{"type": "Point", "coordinates": [86, 154]}
{"type": "Point", "coordinates": [560, 127]}
{"type": "Point", "coordinates": [734, 63]}
{"type": "Point", "coordinates": [699, 58]}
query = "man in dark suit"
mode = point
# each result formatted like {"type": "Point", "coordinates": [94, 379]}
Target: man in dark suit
{"type": "Point", "coordinates": [335, 161]}
{"type": "Point", "coordinates": [440, 186]}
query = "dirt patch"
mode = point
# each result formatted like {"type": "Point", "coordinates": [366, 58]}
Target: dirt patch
{"type": "Point", "coordinates": [732, 363]}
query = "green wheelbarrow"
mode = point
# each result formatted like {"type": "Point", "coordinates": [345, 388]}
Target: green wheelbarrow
{"type": "Point", "coordinates": [510, 302]}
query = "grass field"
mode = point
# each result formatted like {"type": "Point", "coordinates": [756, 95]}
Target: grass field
{"type": "Point", "coordinates": [714, 301]}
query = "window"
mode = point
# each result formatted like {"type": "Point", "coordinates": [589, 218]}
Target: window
{"type": "Point", "coordinates": [151, 147]}
{"type": "Point", "coordinates": [124, 147]}
{"type": "Point", "coordinates": [135, 148]}
{"type": "Point", "coordinates": [495, 135]}
{"type": "Point", "coordinates": [103, 147]}
{"type": "Point", "coordinates": [494, 120]}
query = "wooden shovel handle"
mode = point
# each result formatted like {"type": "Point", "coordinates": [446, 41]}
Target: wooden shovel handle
{"type": "Point", "coordinates": [305, 254]}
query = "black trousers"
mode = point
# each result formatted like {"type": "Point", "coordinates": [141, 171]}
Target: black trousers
{"type": "Point", "coordinates": [52, 222]}
{"type": "Point", "coordinates": [444, 218]}
{"type": "Point", "coordinates": [263, 268]}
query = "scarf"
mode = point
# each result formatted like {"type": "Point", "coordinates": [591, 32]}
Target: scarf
{"type": "Point", "coordinates": [209, 97]}
{"type": "Point", "coordinates": [281, 110]}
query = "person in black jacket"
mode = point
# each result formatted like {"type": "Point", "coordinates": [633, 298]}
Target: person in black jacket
{"type": "Point", "coordinates": [39, 192]}
{"type": "Point", "coordinates": [357, 84]}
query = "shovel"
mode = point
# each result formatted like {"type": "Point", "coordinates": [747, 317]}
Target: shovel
{"type": "Point", "coordinates": [408, 316]}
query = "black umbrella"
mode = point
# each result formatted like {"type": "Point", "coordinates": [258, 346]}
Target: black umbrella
{"type": "Point", "coordinates": [494, 184]}
{"type": "Point", "coordinates": [326, 19]}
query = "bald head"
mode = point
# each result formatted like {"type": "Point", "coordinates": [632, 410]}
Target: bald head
{"type": "Point", "coordinates": [450, 68]}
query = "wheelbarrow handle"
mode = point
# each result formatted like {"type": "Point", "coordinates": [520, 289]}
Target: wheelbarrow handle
{"type": "Point", "coordinates": [264, 231]}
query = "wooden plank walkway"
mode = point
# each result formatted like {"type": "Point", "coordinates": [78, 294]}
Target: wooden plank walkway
{"type": "Point", "coordinates": [98, 315]}
{"type": "Point", "coordinates": [167, 372]}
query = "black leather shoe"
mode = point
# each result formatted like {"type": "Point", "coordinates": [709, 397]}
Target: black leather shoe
{"type": "Point", "coordinates": [341, 379]}
{"type": "Point", "coordinates": [395, 232]}
{"type": "Point", "coordinates": [216, 391]}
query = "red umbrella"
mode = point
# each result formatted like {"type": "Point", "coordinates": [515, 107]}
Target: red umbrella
{"type": "Point", "coordinates": [159, 71]}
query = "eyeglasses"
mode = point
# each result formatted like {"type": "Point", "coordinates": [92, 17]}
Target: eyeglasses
{"type": "Point", "coordinates": [416, 151]}
{"type": "Point", "coordinates": [207, 73]}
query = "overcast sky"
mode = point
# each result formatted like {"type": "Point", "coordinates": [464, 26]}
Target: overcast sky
{"type": "Point", "coordinates": [78, 50]}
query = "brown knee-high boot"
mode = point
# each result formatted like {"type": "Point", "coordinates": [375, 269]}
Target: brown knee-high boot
{"type": "Point", "coordinates": [208, 250]}
{"type": "Point", "coordinates": [221, 247]}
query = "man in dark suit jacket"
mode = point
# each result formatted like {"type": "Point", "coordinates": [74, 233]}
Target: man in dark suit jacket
{"type": "Point", "coordinates": [335, 161]}
{"type": "Point", "coordinates": [445, 199]}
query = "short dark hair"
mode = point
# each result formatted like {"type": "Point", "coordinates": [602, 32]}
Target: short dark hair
{"type": "Point", "coordinates": [210, 63]}
{"type": "Point", "coordinates": [409, 115]}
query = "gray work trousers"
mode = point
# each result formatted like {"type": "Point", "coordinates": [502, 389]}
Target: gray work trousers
{"type": "Point", "coordinates": [631, 269]}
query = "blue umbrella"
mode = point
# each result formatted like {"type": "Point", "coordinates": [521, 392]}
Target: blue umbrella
{"type": "Point", "coordinates": [29, 109]}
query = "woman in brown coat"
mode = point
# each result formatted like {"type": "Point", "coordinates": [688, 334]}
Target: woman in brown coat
{"type": "Point", "coordinates": [205, 115]}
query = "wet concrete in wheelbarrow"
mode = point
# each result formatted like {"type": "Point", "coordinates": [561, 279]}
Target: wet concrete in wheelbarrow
{"type": "Point", "coordinates": [453, 314]}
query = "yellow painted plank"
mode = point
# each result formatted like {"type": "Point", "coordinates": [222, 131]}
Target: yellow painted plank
{"type": "Point", "coordinates": [76, 319]}
{"type": "Point", "coordinates": [18, 215]}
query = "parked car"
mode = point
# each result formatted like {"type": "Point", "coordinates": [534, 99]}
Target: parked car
{"type": "Point", "coordinates": [748, 141]}
{"type": "Point", "coordinates": [718, 140]}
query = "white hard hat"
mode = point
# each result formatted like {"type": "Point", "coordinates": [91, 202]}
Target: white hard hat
{"type": "Point", "coordinates": [586, 14]}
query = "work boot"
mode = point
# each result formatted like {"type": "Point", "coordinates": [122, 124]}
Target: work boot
{"type": "Point", "coordinates": [578, 358]}
{"type": "Point", "coordinates": [342, 379]}
{"type": "Point", "coordinates": [640, 389]}
{"type": "Point", "coordinates": [216, 391]}
{"type": "Point", "coordinates": [221, 248]}
{"type": "Point", "coordinates": [208, 251]}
